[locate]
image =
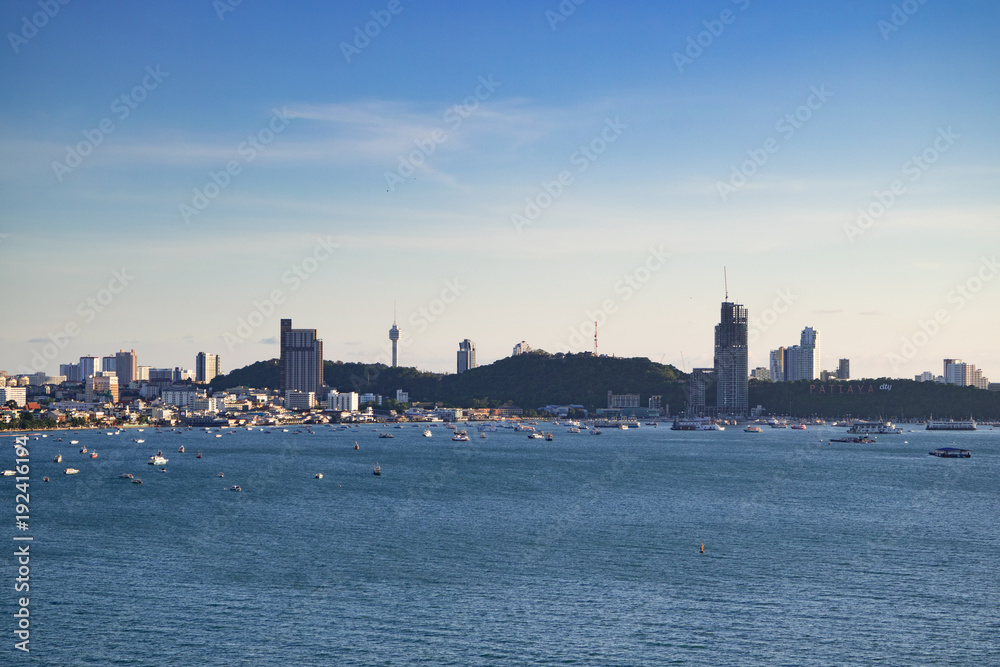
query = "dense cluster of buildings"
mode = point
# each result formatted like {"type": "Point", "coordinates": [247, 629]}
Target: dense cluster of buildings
{"type": "Point", "coordinates": [959, 373]}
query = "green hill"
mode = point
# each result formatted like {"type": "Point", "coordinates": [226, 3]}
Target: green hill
{"type": "Point", "coordinates": [528, 380]}
{"type": "Point", "coordinates": [889, 398]}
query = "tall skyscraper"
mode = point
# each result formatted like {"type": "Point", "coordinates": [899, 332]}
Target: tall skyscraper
{"type": "Point", "coordinates": [301, 362]}
{"type": "Point", "coordinates": [89, 366]}
{"type": "Point", "coordinates": [126, 367]}
{"type": "Point", "coordinates": [844, 369]}
{"type": "Point", "coordinates": [466, 355]}
{"type": "Point", "coordinates": [778, 365]}
{"type": "Point", "coordinates": [394, 336]}
{"type": "Point", "coordinates": [206, 367]}
{"type": "Point", "coordinates": [731, 360]}
{"type": "Point", "coordinates": [809, 363]}
{"type": "Point", "coordinates": [108, 363]}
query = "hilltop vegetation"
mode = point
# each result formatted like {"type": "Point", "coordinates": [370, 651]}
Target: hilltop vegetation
{"type": "Point", "coordinates": [528, 380]}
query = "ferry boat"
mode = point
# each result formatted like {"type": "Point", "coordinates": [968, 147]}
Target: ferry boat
{"type": "Point", "coordinates": [460, 436]}
{"type": "Point", "coordinates": [952, 453]}
{"type": "Point", "coordinates": [863, 439]}
{"type": "Point", "coordinates": [157, 460]}
{"type": "Point", "coordinates": [861, 427]}
{"type": "Point", "coordinates": [754, 429]}
{"type": "Point", "coordinates": [695, 424]}
{"type": "Point", "coordinates": [951, 425]}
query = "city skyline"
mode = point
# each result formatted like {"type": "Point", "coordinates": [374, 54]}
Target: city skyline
{"type": "Point", "coordinates": [839, 160]}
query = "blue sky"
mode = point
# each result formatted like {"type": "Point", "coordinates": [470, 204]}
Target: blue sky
{"type": "Point", "coordinates": [629, 158]}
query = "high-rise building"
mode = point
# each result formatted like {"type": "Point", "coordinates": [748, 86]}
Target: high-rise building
{"type": "Point", "coordinates": [521, 348]}
{"type": "Point", "coordinates": [126, 367]}
{"type": "Point", "coordinates": [89, 366]}
{"type": "Point", "coordinates": [761, 374]}
{"type": "Point", "coordinates": [809, 362]}
{"type": "Point", "coordinates": [731, 360]}
{"type": "Point", "coordinates": [206, 367]}
{"type": "Point", "coordinates": [394, 337]}
{"type": "Point", "coordinates": [697, 386]}
{"type": "Point", "coordinates": [108, 364]}
{"type": "Point", "coordinates": [102, 387]}
{"type": "Point", "coordinates": [301, 362]}
{"type": "Point", "coordinates": [466, 355]}
{"type": "Point", "coordinates": [844, 369]}
{"type": "Point", "coordinates": [71, 371]}
{"type": "Point", "coordinates": [778, 365]}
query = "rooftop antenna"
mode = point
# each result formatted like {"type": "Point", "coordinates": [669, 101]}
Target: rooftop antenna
{"type": "Point", "coordinates": [725, 280]}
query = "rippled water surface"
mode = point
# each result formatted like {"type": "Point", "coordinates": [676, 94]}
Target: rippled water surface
{"type": "Point", "coordinates": [580, 551]}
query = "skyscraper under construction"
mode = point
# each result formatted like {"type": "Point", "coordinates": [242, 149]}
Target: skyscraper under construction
{"type": "Point", "coordinates": [731, 378]}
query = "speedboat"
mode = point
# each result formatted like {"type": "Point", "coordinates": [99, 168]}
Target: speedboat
{"type": "Point", "coordinates": [319, 475]}
{"type": "Point", "coordinates": [93, 455]}
{"type": "Point", "coordinates": [71, 471]}
{"type": "Point", "coordinates": [536, 436]}
{"type": "Point", "coordinates": [8, 473]}
{"type": "Point", "coordinates": [427, 433]}
{"type": "Point", "coordinates": [127, 475]}
{"type": "Point", "coordinates": [157, 460]}
{"type": "Point", "coordinates": [377, 470]}
{"type": "Point", "coordinates": [235, 487]}
{"type": "Point", "coordinates": [83, 450]}
{"type": "Point", "coordinates": [137, 481]}
{"type": "Point", "coordinates": [754, 429]}
{"type": "Point", "coordinates": [198, 455]}
{"type": "Point", "coordinates": [221, 475]}
{"type": "Point", "coordinates": [58, 459]}
{"type": "Point", "coordinates": [74, 442]}
{"type": "Point", "coordinates": [181, 449]}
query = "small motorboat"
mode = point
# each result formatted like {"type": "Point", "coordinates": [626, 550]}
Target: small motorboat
{"type": "Point", "coordinates": [83, 450]}
{"type": "Point", "coordinates": [356, 445]}
{"type": "Point", "coordinates": [180, 449]}
{"type": "Point", "coordinates": [127, 475]}
{"type": "Point", "coordinates": [386, 435]}
{"type": "Point", "coordinates": [74, 442]}
{"type": "Point", "coordinates": [221, 474]}
{"type": "Point", "coordinates": [8, 473]}
{"type": "Point", "coordinates": [198, 455]}
{"type": "Point", "coordinates": [377, 470]}
{"type": "Point", "coordinates": [93, 455]}
{"type": "Point", "coordinates": [536, 436]}
{"type": "Point", "coordinates": [137, 481]}
{"type": "Point", "coordinates": [754, 429]}
{"type": "Point", "coordinates": [427, 433]}
{"type": "Point", "coordinates": [58, 458]}
{"type": "Point", "coordinates": [71, 471]}
{"type": "Point", "coordinates": [319, 475]}
{"type": "Point", "coordinates": [45, 479]}
{"type": "Point", "coordinates": [235, 487]}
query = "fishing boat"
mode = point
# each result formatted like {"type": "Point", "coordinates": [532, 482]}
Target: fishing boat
{"type": "Point", "coordinates": [83, 450]}
{"type": "Point", "coordinates": [93, 455]}
{"type": "Point", "coordinates": [377, 470]}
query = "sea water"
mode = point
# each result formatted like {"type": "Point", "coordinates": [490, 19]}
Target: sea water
{"type": "Point", "coordinates": [586, 550]}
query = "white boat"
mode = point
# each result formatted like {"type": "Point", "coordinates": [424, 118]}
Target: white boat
{"type": "Point", "coordinates": [695, 424]}
{"type": "Point", "coordinates": [8, 473]}
{"type": "Point", "coordinates": [427, 433]}
{"type": "Point", "coordinates": [950, 425]}
{"type": "Point", "coordinates": [71, 471]}
{"type": "Point", "coordinates": [754, 429]}
{"type": "Point", "coordinates": [460, 436]}
{"type": "Point", "coordinates": [157, 460]}
{"type": "Point", "coordinates": [74, 442]}
{"type": "Point", "coordinates": [58, 458]}
{"type": "Point", "coordinates": [861, 427]}
{"type": "Point", "coordinates": [319, 475]}
{"type": "Point", "coordinates": [138, 441]}
{"type": "Point", "coordinates": [536, 436]}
